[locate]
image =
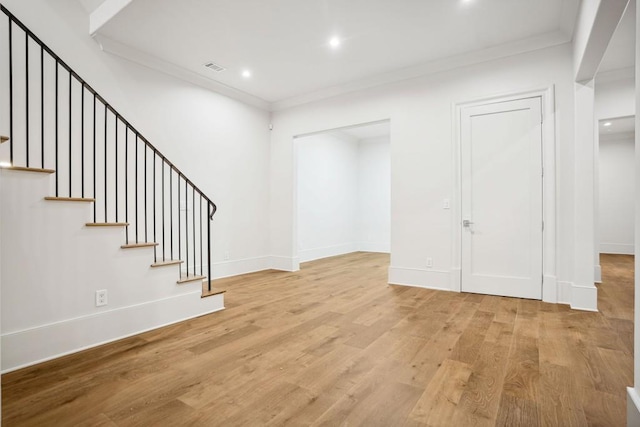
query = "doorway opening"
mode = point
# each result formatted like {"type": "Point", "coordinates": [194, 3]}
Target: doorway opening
{"type": "Point", "coordinates": [343, 194]}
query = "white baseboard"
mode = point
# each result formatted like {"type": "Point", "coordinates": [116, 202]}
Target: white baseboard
{"type": "Point", "coordinates": [420, 278]}
{"type": "Point", "coordinates": [379, 247]}
{"type": "Point", "coordinates": [550, 289]}
{"type": "Point", "coordinates": [584, 298]}
{"type": "Point", "coordinates": [327, 251]}
{"type": "Point", "coordinates": [597, 273]}
{"type": "Point", "coordinates": [633, 407]}
{"type": "Point", "coordinates": [564, 292]}
{"type": "Point", "coordinates": [239, 266]}
{"type": "Point", "coordinates": [617, 248]}
{"type": "Point", "coordinates": [41, 343]}
{"type": "Point", "coordinates": [284, 263]}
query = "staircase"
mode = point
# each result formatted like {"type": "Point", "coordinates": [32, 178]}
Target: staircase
{"type": "Point", "coordinates": [56, 124]}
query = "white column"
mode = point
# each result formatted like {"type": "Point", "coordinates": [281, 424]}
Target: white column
{"type": "Point", "coordinates": [584, 294]}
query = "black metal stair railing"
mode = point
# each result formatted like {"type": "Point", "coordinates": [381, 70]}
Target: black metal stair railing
{"type": "Point", "coordinates": [56, 119]}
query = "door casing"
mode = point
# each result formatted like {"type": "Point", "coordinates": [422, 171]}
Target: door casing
{"type": "Point", "coordinates": [550, 288]}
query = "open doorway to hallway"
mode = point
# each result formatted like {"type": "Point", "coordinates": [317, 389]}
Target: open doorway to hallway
{"type": "Point", "coordinates": [343, 191]}
{"type": "Point", "coordinates": [616, 186]}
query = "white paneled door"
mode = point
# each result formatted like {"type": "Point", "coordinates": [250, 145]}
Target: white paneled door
{"type": "Point", "coordinates": [501, 166]}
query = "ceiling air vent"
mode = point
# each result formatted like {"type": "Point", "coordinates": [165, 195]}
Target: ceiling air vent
{"type": "Point", "coordinates": [214, 67]}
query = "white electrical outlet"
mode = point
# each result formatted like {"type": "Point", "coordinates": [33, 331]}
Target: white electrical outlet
{"type": "Point", "coordinates": [226, 256]}
{"type": "Point", "coordinates": [429, 262]}
{"type": "Point", "coordinates": [446, 204]}
{"type": "Point", "coordinates": [101, 297]}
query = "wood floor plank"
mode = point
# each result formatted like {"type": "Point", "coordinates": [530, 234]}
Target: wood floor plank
{"type": "Point", "coordinates": [334, 344]}
{"type": "Point", "coordinates": [441, 397]}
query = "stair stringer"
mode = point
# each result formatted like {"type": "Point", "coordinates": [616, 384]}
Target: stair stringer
{"type": "Point", "coordinates": [52, 265]}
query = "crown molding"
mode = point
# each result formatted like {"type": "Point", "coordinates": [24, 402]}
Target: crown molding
{"type": "Point", "coordinates": [150, 61]}
{"type": "Point", "coordinates": [432, 67]}
{"type": "Point", "coordinates": [440, 65]}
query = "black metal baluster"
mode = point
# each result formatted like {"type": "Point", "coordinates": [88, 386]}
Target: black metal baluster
{"type": "Point", "coordinates": [116, 163]}
{"type": "Point", "coordinates": [11, 92]}
{"type": "Point", "coordinates": [163, 225]}
{"type": "Point", "coordinates": [179, 225]}
{"type": "Point", "coordinates": [193, 225]}
{"type": "Point", "coordinates": [82, 141]}
{"type": "Point", "coordinates": [136, 188]}
{"type": "Point", "coordinates": [95, 191]}
{"type": "Point", "coordinates": [186, 225]}
{"type": "Point", "coordinates": [26, 84]}
{"type": "Point", "coordinates": [56, 130]}
{"type": "Point", "coordinates": [155, 256]}
{"type": "Point", "coordinates": [146, 217]}
{"type": "Point", "coordinates": [42, 107]}
{"type": "Point", "coordinates": [201, 260]}
{"type": "Point", "coordinates": [126, 182]}
{"type": "Point", "coordinates": [105, 164]}
{"type": "Point", "coordinates": [209, 247]}
{"type": "Point", "coordinates": [171, 209]}
{"type": "Point", "coordinates": [70, 138]}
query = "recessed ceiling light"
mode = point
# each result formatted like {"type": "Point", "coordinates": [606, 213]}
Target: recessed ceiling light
{"type": "Point", "coordinates": [246, 74]}
{"type": "Point", "coordinates": [607, 124]}
{"type": "Point", "coordinates": [334, 42]}
{"type": "Point", "coordinates": [5, 165]}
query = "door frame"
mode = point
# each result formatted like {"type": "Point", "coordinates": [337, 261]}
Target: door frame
{"type": "Point", "coordinates": [547, 97]}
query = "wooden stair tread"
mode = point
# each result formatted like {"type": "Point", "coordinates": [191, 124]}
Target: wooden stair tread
{"type": "Point", "coordinates": [139, 245]}
{"type": "Point", "coordinates": [70, 199]}
{"type": "Point", "coordinates": [167, 262]}
{"type": "Point", "coordinates": [3, 139]}
{"type": "Point", "coordinates": [24, 169]}
{"type": "Point", "coordinates": [107, 224]}
{"type": "Point", "coordinates": [186, 279]}
{"type": "Point", "coordinates": [214, 291]}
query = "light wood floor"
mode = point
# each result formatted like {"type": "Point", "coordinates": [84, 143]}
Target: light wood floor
{"type": "Point", "coordinates": [334, 345]}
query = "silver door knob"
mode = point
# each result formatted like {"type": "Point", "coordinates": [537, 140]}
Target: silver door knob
{"type": "Point", "coordinates": [466, 223]}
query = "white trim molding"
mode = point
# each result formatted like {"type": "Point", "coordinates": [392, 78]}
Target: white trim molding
{"type": "Point", "coordinates": [153, 62]}
{"type": "Point", "coordinates": [564, 292]}
{"type": "Point", "coordinates": [41, 343]}
{"type": "Point", "coordinates": [284, 263]}
{"type": "Point", "coordinates": [239, 266]}
{"type": "Point", "coordinates": [578, 297]}
{"type": "Point", "coordinates": [617, 248]}
{"type": "Point", "coordinates": [633, 407]}
{"type": "Point", "coordinates": [584, 298]}
{"type": "Point", "coordinates": [326, 251]}
{"type": "Point", "coordinates": [597, 273]}
{"type": "Point", "coordinates": [420, 278]}
{"type": "Point", "coordinates": [550, 288]}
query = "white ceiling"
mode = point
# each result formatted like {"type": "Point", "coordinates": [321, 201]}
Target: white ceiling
{"type": "Point", "coordinates": [621, 50]}
{"type": "Point", "coordinates": [285, 42]}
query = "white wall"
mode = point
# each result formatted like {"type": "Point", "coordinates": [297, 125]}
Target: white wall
{"type": "Point", "coordinates": [614, 96]}
{"type": "Point", "coordinates": [374, 197]}
{"type": "Point", "coordinates": [617, 194]}
{"type": "Point", "coordinates": [222, 145]}
{"type": "Point", "coordinates": [422, 145]}
{"type": "Point", "coordinates": [327, 195]}
{"type": "Point", "coordinates": [343, 195]}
